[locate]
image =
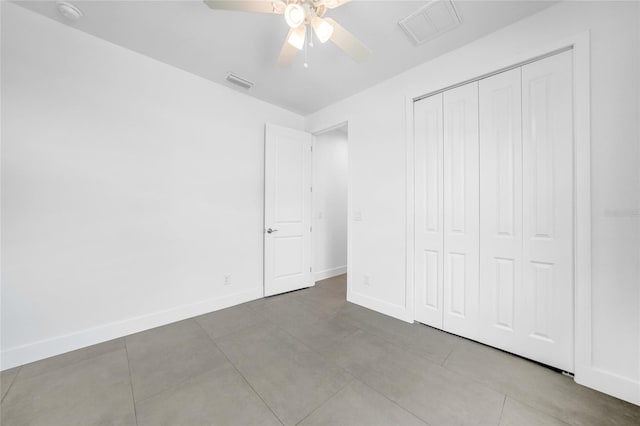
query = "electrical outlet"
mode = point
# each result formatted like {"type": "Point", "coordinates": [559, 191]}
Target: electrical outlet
{"type": "Point", "coordinates": [357, 216]}
{"type": "Point", "coordinates": [227, 279]}
{"type": "Point", "coordinates": [365, 280]}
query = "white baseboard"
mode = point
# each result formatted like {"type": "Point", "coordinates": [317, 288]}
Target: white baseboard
{"type": "Point", "coordinates": [20, 355]}
{"type": "Point", "coordinates": [328, 273]}
{"type": "Point", "coordinates": [609, 383]}
{"type": "Point", "coordinates": [395, 311]}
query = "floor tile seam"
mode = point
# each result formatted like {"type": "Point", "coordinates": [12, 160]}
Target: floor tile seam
{"type": "Point", "coordinates": [479, 382]}
{"type": "Point", "coordinates": [250, 386]}
{"type": "Point", "coordinates": [13, 380]}
{"type": "Point", "coordinates": [242, 375]}
{"type": "Point", "coordinates": [396, 403]}
{"type": "Point", "coordinates": [394, 345]}
{"type": "Point", "coordinates": [222, 336]}
{"type": "Point", "coordinates": [177, 384]}
{"type": "Point", "coordinates": [504, 401]}
{"type": "Point", "coordinates": [17, 376]}
{"type": "Point", "coordinates": [316, 352]}
{"type": "Point", "coordinates": [307, 300]}
{"type": "Point", "coordinates": [447, 357]}
{"type": "Point", "coordinates": [407, 348]}
{"type": "Point", "coordinates": [539, 410]}
{"type": "Point", "coordinates": [343, 387]}
{"type": "Point", "coordinates": [390, 376]}
{"type": "Point", "coordinates": [133, 399]}
{"type": "Point", "coordinates": [506, 394]}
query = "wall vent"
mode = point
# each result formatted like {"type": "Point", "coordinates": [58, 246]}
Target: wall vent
{"type": "Point", "coordinates": [430, 21]}
{"type": "Point", "coordinates": [234, 79]}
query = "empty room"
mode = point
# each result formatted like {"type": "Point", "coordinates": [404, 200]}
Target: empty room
{"type": "Point", "coordinates": [320, 212]}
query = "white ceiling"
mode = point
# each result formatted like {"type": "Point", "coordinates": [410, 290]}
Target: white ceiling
{"type": "Point", "coordinates": [189, 35]}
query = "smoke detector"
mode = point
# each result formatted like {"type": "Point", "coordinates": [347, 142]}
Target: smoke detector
{"type": "Point", "coordinates": [68, 11]}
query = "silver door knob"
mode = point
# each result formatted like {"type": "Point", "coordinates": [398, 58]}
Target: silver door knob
{"type": "Point", "coordinates": [270, 231]}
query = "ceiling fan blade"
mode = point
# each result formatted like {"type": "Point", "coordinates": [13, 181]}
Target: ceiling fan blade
{"type": "Point", "coordinates": [332, 4]}
{"type": "Point", "coordinates": [258, 6]}
{"type": "Point", "coordinates": [347, 42]}
{"type": "Point", "coordinates": [288, 52]}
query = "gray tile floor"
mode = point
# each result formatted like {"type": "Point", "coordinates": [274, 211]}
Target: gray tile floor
{"type": "Point", "coordinates": [307, 358]}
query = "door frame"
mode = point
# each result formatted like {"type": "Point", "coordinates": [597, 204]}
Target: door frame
{"type": "Point", "coordinates": [585, 372]}
{"type": "Point", "coordinates": [314, 134]}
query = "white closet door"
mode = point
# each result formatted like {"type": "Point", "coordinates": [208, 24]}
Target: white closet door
{"type": "Point", "coordinates": [461, 210]}
{"type": "Point", "coordinates": [501, 210]}
{"type": "Point", "coordinates": [547, 303]}
{"type": "Point", "coordinates": [428, 137]}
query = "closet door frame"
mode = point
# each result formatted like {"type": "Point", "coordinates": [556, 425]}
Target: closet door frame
{"type": "Point", "coordinates": [585, 372]}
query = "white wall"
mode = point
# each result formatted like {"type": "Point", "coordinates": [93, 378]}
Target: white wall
{"type": "Point", "coordinates": [378, 173]}
{"type": "Point", "coordinates": [330, 177]}
{"type": "Point", "coordinates": [129, 188]}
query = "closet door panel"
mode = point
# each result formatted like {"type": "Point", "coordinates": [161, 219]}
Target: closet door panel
{"type": "Point", "coordinates": [500, 209]}
{"type": "Point", "coordinates": [547, 303]}
{"type": "Point", "coordinates": [428, 137]}
{"type": "Point", "coordinates": [461, 210]}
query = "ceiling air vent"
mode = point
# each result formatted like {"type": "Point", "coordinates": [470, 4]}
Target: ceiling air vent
{"type": "Point", "coordinates": [234, 79]}
{"type": "Point", "coordinates": [430, 21]}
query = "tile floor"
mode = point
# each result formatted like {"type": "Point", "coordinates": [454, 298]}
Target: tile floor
{"type": "Point", "coordinates": [306, 357]}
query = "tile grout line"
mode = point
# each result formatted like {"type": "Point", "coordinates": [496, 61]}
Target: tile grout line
{"type": "Point", "coordinates": [243, 328]}
{"type": "Point", "coordinates": [394, 402]}
{"type": "Point", "coordinates": [504, 401]}
{"type": "Point", "coordinates": [403, 348]}
{"type": "Point", "coordinates": [354, 378]}
{"type": "Point", "coordinates": [354, 322]}
{"type": "Point", "coordinates": [496, 389]}
{"type": "Point", "coordinates": [11, 384]}
{"type": "Point", "coordinates": [78, 361]}
{"type": "Point", "coordinates": [240, 373]}
{"type": "Point", "coordinates": [133, 398]}
{"type": "Point", "coordinates": [447, 357]}
{"type": "Point", "coordinates": [180, 382]}
{"type": "Point", "coordinates": [277, 327]}
{"type": "Point", "coordinates": [328, 399]}
{"type": "Point", "coordinates": [537, 410]}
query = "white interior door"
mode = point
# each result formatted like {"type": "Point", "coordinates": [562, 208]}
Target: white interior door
{"type": "Point", "coordinates": [461, 204]}
{"type": "Point", "coordinates": [547, 258]}
{"type": "Point", "coordinates": [501, 210]}
{"type": "Point", "coordinates": [428, 163]}
{"type": "Point", "coordinates": [287, 210]}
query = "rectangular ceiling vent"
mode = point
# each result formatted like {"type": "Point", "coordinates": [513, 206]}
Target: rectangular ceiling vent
{"type": "Point", "coordinates": [430, 21]}
{"type": "Point", "coordinates": [234, 79]}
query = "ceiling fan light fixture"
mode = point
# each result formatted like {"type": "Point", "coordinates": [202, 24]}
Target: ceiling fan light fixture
{"type": "Point", "coordinates": [296, 39]}
{"type": "Point", "coordinates": [294, 14]}
{"type": "Point", "coordinates": [322, 28]}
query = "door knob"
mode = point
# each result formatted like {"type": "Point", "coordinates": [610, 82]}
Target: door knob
{"type": "Point", "coordinates": [270, 231]}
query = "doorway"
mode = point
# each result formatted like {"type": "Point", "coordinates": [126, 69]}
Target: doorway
{"type": "Point", "coordinates": [305, 208]}
{"type": "Point", "coordinates": [330, 172]}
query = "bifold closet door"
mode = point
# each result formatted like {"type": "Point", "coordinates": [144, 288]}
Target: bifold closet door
{"type": "Point", "coordinates": [547, 257]}
{"type": "Point", "coordinates": [494, 211]}
{"type": "Point", "coordinates": [501, 210]}
{"type": "Point", "coordinates": [428, 163]}
{"type": "Point", "coordinates": [526, 193]}
{"type": "Point", "coordinates": [461, 211]}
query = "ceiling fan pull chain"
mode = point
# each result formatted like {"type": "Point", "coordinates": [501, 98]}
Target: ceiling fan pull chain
{"type": "Point", "coordinates": [310, 36]}
{"type": "Point", "coordinates": [306, 64]}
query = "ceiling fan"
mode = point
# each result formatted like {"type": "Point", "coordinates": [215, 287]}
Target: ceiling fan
{"type": "Point", "coordinates": [299, 14]}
